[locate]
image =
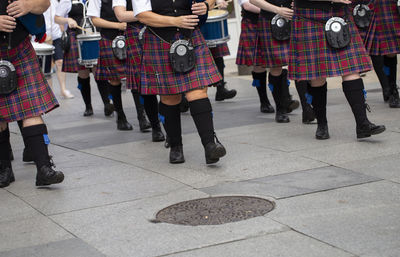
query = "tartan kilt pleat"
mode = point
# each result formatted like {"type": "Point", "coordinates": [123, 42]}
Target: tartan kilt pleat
{"type": "Point", "coordinates": [70, 61]}
{"type": "Point", "coordinates": [247, 43]}
{"type": "Point", "coordinates": [109, 67]}
{"type": "Point", "coordinates": [157, 75]}
{"type": "Point", "coordinates": [220, 50]}
{"type": "Point", "coordinates": [310, 55]}
{"type": "Point", "coordinates": [132, 64]}
{"type": "Point", "coordinates": [383, 36]}
{"type": "Point", "coordinates": [33, 96]}
{"type": "Point", "coordinates": [269, 51]}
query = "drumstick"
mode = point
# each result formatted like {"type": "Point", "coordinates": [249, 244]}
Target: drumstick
{"type": "Point", "coordinates": [79, 27]}
{"type": "Point", "coordinates": [219, 5]}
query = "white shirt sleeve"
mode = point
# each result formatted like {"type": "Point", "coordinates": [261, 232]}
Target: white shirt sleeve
{"type": "Point", "coordinates": [119, 3]}
{"type": "Point", "coordinates": [63, 8]}
{"type": "Point", "coordinates": [140, 6]}
{"type": "Point", "coordinates": [241, 2]}
{"type": "Point", "coordinates": [94, 8]}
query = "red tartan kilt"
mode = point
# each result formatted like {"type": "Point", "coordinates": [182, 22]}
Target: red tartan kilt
{"type": "Point", "coordinates": [383, 36]}
{"type": "Point", "coordinates": [132, 64]}
{"type": "Point", "coordinates": [108, 66]}
{"type": "Point", "coordinates": [247, 43]}
{"type": "Point", "coordinates": [33, 97]}
{"type": "Point", "coordinates": [157, 76]}
{"type": "Point", "coordinates": [70, 61]}
{"type": "Point", "coordinates": [220, 50]}
{"type": "Point", "coordinates": [270, 53]}
{"type": "Point", "coordinates": [310, 55]}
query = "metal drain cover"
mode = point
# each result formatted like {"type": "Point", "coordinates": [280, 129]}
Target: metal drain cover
{"type": "Point", "coordinates": [215, 210]}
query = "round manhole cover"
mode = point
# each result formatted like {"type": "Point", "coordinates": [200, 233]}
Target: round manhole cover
{"type": "Point", "coordinates": [215, 210]}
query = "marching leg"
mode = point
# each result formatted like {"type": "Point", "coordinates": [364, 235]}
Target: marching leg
{"type": "Point", "coordinates": [260, 83]}
{"type": "Point", "coordinates": [308, 115]}
{"type": "Point", "coordinates": [122, 123]}
{"type": "Point", "coordinates": [391, 65]}
{"type": "Point", "coordinates": [6, 172]}
{"type": "Point", "coordinates": [377, 62]}
{"type": "Point", "coordinates": [144, 124]}
{"type": "Point", "coordinates": [84, 86]}
{"type": "Point", "coordinates": [276, 88]}
{"type": "Point", "coordinates": [319, 101]}
{"type": "Point", "coordinates": [151, 108]}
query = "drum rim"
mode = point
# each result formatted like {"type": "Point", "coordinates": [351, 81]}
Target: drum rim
{"type": "Point", "coordinates": [219, 41]}
{"type": "Point", "coordinates": [221, 17]}
{"type": "Point", "coordinates": [89, 37]}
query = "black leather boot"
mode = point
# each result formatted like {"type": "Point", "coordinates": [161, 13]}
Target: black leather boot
{"type": "Point", "coordinates": [6, 173]}
{"type": "Point", "coordinates": [214, 151]}
{"type": "Point", "coordinates": [122, 122]}
{"type": "Point", "coordinates": [156, 133]}
{"type": "Point", "coordinates": [46, 175]}
{"type": "Point", "coordinates": [354, 92]}
{"type": "Point", "coordinates": [275, 86]}
{"type": "Point", "coordinates": [378, 63]}
{"type": "Point", "coordinates": [260, 83]}
{"type": "Point", "coordinates": [318, 102]}
{"type": "Point", "coordinates": [144, 124]}
{"type": "Point", "coordinates": [391, 65]}
{"type": "Point", "coordinates": [223, 93]}
{"type": "Point", "coordinates": [308, 115]}
{"type": "Point", "coordinates": [176, 154]}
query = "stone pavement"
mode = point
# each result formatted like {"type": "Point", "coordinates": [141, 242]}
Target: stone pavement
{"type": "Point", "coordinates": [339, 197]}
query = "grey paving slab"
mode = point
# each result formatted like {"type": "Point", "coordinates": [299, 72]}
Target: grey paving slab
{"type": "Point", "coordinates": [360, 219]}
{"type": "Point", "coordinates": [385, 167]}
{"type": "Point", "coordinates": [280, 244]}
{"type": "Point", "coordinates": [243, 161]}
{"type": "Point", "coordinates": [142, 184]}
{"type": "Point", "coordinates": [380, 145]}
{"type": "Point", "coordinates": [292, 184]}
{"type": "Point", "coordinates": [65, 248]}
{"type": "Point", "coordinates": [13, 208]}
{"type": "Point", "coordinates": [28, 232]}
{"type": "Point", "coordinates": [126, 230]}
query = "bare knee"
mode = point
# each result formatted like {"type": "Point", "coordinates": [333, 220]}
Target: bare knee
{"type": "Point", "coordinates": [83, 74]}
{"type": "Point", "coordinates": [32, 121]}
{"type": "Point", "coordinates": [115, 82]}
{"type": "Point", "coordinates": [351, 77]}
{"type": "Point", "coordinates": [171, 99]}
{"type": "Point", "coordinates": [3, 125]}
{"type": "Point", "coordinates": [196, 94]}
{"type": "Point", "coordinates": [258, 69]}
{"type": "Point", "coordinates": [276, 71]}
{"type": "Point", "coordinates": [318, 82]}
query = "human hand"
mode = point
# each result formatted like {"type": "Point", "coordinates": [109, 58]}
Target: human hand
{"type": "Point", "coordinates": [7, 23]}
{"type": "Point", "coordinates": [19, 8]}
{"type": "Point", "coordinates": [187, 21]}
{"type": "Point", "coordinates": [199, 8]}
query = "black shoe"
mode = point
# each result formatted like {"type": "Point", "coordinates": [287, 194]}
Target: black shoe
{"type": "Point", "coordinates": [123, 124]}
{"type": "Point", "coordinates": [308, 115]}
{"type": "Point", "coordinates": [176, 155]}
{"type": "Point", "coordinates": [184, 105]}
{"type": "Point", "coordinates": [266, 108]}
{"type": "Point", "coordinates": [6, 176]}
{"type": "Point", "coordinates": [394, 100]}
{"type": "Point", "coordinates": [157, 135]}
{"type": "Point", "coordinates": [144, 124]}
{"type": "Point", "coordinates": [88, 111]}
{"type": "Point", "coordinates": [108, 109]}
{"type": "Point", "coordinates": [223, 93]}
{"type": "Point", "coordinates": [166, 143]}
{"type": "Point", "coordinates": [322, 132]}
{"type": "Point", "coordinates": [214, 151]}
{"type": "Point", "coordinates": [27, 156]}
{"type": "Point", "coordinates": [281, 117]}
{"type": "Point", "coordinates": [291, 105]}
{"type": "Point", "coordinates": [369, 129]}
{"type": "Point", "coordinates": [46, 175]}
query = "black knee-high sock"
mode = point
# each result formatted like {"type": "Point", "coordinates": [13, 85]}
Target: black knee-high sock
{"type": "Point", "coordinates": [219, 61]}
{"type": "Point", "coordinates": [5, 148]}
{"type": "Point", "coordinates": [171, 119]}
{"type": "Point", "coordinates": [354, 92]}
{"type": "Point", "coordinates": [391, 66]}
{"type": "Point", "coordinates": [260, 83]}
{"type": "Point", "coordinates": [301, 87]}
{"type": "Point", "coordinates": [20, 126]}
{"type": "Point", "coordinates": [201, 112]}
{"type": "Point", "coordinates": [276, 90]}
{"type": "Point", "coordinates": [138, 103]}
{"type": "Point", "coordinates": [378, 63]}
{"type": "Point", "coordinates": [103, 88]}
{"type": "Point", "coordinates": [116, 96]}
{"type": "Point", "coordinates": [319, 101]}
{"type": "Point", "coordinates": [84, 86]}
{"type": "Point", "coordinates": [37, 139]}
{"type": "Point", "coordinates": [151, 107]}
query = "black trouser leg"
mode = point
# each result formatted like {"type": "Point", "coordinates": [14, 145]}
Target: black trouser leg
{"type": "Point", "coordinates": [201, 112]}
{"type": "Point", "coordinates": [171, 119]}
{"type": "Point", "coordinates": [37, 139]}
{"type": "Point", "coordinates": [84, 86]}
{"type": "Point", "coordinates": [378, 63]}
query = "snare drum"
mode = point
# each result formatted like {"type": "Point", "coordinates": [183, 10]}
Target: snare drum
{"type": "Point", "coordinates": [89, 48]}
{"type": "Point", "coordinates": [215, 30]}
{"type": "Point", "coordinates": [44, 53]}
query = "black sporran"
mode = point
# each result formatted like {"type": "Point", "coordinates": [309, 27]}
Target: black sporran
{"type": "Point", "coordinates": [65, 41]}
{"type": "Point", "coordinates": [8, 77]}
{"type": "Point", "coordinates": [337, 33]}
{"type": "Point", "coordinates": [119, 47]}
{"type": "Point", "coordinates": [362, 16]}
{"type": "Point", "coordinates": [182, 56]}
{"type": "Point", "coordinates": [280, 28]}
